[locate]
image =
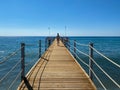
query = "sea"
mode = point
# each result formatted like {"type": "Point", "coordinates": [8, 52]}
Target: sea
{"type": "Point", "coordinates": [10, 56]}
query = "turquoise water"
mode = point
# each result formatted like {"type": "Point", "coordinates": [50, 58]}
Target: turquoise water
{"type": "Point", "coordinates": [109, 46]}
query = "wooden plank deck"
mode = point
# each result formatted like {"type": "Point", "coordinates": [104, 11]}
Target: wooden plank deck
{"type": "Point", "coordinates": [56, 70]}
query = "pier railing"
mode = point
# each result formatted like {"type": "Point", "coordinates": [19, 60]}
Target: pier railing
{"type": "Point", "coordinates": [28, 54]}
{"type": "Point", "coordinates": [25, 57]}
{"type": "Point", "coordinates": [75, 48]}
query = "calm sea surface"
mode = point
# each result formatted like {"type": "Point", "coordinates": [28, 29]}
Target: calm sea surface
{"type": "Point", "coordinates": [109, 46]}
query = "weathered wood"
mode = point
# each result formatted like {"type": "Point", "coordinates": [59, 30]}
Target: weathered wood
{"type": "Point", "coordinates": [75, 48]}
{"type": "Point", "coordinates": [90, 61]}
{"type": "Point", "coordinates": [57, 70]}
{"type": "Point", "coordinates": [22, 61]}
{"type": "Point", "coordinates": [39, 48]}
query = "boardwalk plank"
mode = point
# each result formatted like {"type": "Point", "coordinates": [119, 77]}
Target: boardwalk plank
{"type": "Point", "coordinates": [57, 70]}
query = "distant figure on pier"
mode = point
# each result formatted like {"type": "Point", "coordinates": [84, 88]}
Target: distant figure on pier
{"type": "Point", "coordinates": [58, 39]}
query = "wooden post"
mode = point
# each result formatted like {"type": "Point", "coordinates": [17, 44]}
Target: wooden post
{"type": "Point", "coordinates": [65, 42]}
{"type": "Point", "coordinates": [62, 39]}
{"type": "Point", "coordinates": [68, 44]}
{"type": "Point", "coordinates": [90, 61]}
{"type": "Point", "coordinates": [45, 44]}
{"type": "Point", "coordinates": [39, 48]}
{"type": "Point", "coordinates": [22, 61]}
{"type": "Point", "coordinates": [49, 42]}
{"type": "Point", "coordinates": [75, 48]}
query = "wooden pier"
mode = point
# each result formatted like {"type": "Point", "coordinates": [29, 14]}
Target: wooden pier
{"type": "Point", "coordinates": [57, 70]}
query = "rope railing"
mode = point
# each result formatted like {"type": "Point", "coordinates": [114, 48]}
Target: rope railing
{"type": "Point", "coordinates": [80, 59]}
{"type": "Point", "coordinates": [98, 79]}
{"type": "Point", "coordinates": [35, 52]}
{"type": "Point", "coordinates": [14, 80]}
{"type": "Point", "coordinates": [33, 60]}
{"type": "Point", "coordinates": [73, 49]}
{"type": "Point", "coordinates": [91, 70]}
{"type": "Point", "coordinates": [30, 51]}
{"type": "Point", "coordinates": [9, 51]}
{"type": "Point", "coordinates": [80, 43]}
{"type": "Point", "coordinates": [4, 59]}
{"type": "Point", "coordinates": [80, 51]}
{"type": "Point", "coordinates": [105, 73]}
{"type": "Point", "coordinates": [105, 57]}
{"type": "Point", "coordinates": [9, 71]}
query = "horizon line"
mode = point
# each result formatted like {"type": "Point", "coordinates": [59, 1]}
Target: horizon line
{"type": "Point", "coordinates": [62, 36]}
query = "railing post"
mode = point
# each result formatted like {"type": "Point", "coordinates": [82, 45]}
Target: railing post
{"type": "Point", "coordinates": [65, 42]}
{"type": "Point", "coordinates": [68, 45]}
{"type": "Point", "coordinates": [62, 39]}
{"type": "Point", "coordinates": [39, 48]}
{"type": "Point", "coordinates": [90, 61]}
{"type": "Point", "coordinates": [75, 48]}
{"type": "Point", "coordinates": [45, 44]}
{"type": "Point", "coordinates": [22, 61]}
{"type": "Point", "coordinates": [49, 42]}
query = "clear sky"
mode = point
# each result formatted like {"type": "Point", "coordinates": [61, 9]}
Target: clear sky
{"type": "Point", "coordinates": [47, 17]}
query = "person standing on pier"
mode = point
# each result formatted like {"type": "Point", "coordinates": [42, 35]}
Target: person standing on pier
{"type": "Point", "coordinates": [58, 39]}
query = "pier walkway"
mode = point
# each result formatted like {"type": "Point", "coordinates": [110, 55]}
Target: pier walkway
{"type": "Point", "coordinates": [57, 70]}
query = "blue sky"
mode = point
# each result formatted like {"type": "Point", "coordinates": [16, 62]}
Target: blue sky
{"type": "Point", "coordinates": [81, 17]}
